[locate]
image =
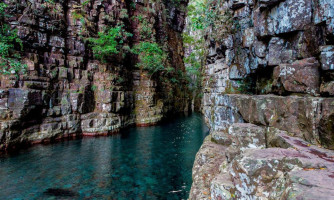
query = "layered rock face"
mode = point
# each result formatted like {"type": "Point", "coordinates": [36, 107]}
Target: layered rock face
{"type": "Point", "coordinates": [268, 99]}
{"type": "Point", "coordinates": [66, 91]}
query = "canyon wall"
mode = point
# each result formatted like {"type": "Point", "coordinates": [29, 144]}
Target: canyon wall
{"type": "Point", "coordinates": [66, 91]}
{"type": "Point", "coordinates": [269, 102]}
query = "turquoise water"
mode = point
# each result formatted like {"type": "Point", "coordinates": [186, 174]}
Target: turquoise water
{"type": "Point", "coordinates": [139, 163]}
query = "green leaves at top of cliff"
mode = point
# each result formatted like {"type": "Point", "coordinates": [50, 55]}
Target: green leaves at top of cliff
{"type": "Point", "coordinates": [9, 41]}
{"type": "Point", "coordinates": [109, 42]}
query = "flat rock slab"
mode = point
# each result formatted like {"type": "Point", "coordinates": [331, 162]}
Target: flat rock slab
{"type": "Point", "coordinates": [206, 167]}
{"type": "Point", "coordinates": [302, 171]}
{"type": "Point", "coordinates": [303, 117]}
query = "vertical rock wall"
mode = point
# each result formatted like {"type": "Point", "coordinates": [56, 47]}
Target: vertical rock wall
{"type": "Point", "coordinates": [66, 91]}
{"type": "Point", "coordinates": [268, 99]}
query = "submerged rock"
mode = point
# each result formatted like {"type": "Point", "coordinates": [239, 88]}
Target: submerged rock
{"type": "Point", "coordinates": [58, 192]}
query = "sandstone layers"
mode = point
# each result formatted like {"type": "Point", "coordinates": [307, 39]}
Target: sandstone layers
{"type": "Point", "coordinates": [268, 99]}
{"type": "Point", "coordinates": [66, 91]}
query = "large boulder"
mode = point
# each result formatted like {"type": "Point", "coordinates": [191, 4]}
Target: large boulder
{"type": "Point", "coordinates": [286, 17]}
{"type": "Point", "coordinates": [301, 76]}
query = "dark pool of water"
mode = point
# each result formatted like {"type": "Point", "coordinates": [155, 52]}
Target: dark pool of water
{"type": "Point", "coordinates": [139, 163]}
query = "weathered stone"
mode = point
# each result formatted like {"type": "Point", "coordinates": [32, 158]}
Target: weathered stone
{"type": "Point", "coordinates": [327, 57]}
{"type": "Point", "coordinates": [267, 3]}
{"type": "Point", "coordinates": [222, 187]}
{"type": "Point", "coordinates": [263, 173]}
{"type": "Point", "coordinates": [259, 49]}
{"type": "Point", "coordinates": [248, 37]}
{"type": "Point", "coordinates": [276, 46]}
{"type": "Point", "coordinates": [66, 105]}
{"type": "Point", "coordinates": [288, 16]}
{"type": "Point", "coordinates": [47, 130]}
{"type": "Point", "coordinates": [235, 73]}
{"type": "Point", "coordinates": [327, 88]}
{"type": "Point", "coordinates": [279, 52]}
{"type": "Point", "coordinates": [100, 123]}
{"type": "Point", "coordinates": [293, 114]}
{"type": "Point", "coordinates": [324, 13]}
{"type": "Point", "coordinates": [326, 125]}
{"type": "Point", "coordinates": [205, 168]}
{"type": "Point", "coordinates": [235, 4]}
{"type": "Point", "coordinates": [17, 98]}
{"type": "Point", "coordinates": [301, 76]}
{"type": "Point", "coordinates": [56, 41]}
{"type": "Point", "coordinates": [76, 101]}
{"type": "Point", "coordinates": [246, 136]}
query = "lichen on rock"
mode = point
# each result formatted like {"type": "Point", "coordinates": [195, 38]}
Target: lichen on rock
{"type": "Point", "coordinates": [268, 100]}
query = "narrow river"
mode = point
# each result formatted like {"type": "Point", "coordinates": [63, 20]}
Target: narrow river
{"type": "Point", "coordinates": [139, 163]}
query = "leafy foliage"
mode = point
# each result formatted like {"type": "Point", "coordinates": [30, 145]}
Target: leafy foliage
{"type": "Point", "coordinates": [108, 43]}
{"type": "Point", "coordinates": [151, 57]}
{"type": "Point", "coordinates": [145, 27]}
{"type": "Point", "coordinates": [204, 14]}
{"type": "Point", "coordinates": [9, 63]}
{"type": "Point", "coordinates": [193, 60]}
{"type": "Point", "coordinates": [201, 14]}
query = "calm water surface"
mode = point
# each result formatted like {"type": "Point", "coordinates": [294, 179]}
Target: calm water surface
{"type": "Point", "coordinates": [140, 163]}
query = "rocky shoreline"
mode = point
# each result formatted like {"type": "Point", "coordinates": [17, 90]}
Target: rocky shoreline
{"type": "Point", "coordinates": [268, 100]}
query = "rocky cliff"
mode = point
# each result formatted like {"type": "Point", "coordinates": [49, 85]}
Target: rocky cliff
{"type": "Point", "coordinates": [268, 99]}
{"type": "Point", "coordinates": [68, 92]}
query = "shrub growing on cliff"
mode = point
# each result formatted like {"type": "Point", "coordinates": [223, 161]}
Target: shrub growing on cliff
{"type": "Point", "coordinates": [9, 61]}
{"type": "Point", "coordinates": [151, 57]}
{"type": "Point", "coordinates": [211, 13]}
{"type": "Point", "coordinates": [108, 42]}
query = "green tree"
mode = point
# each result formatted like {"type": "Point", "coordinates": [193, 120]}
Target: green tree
{"type": "Point", "coordinates": [9, 63]}
{"type": "Point", "coordinates": [151, 57]}
{"type": "Point", "coordinates": [108, 42]}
